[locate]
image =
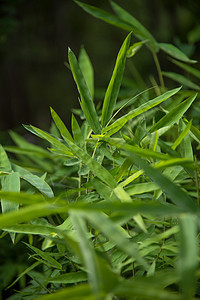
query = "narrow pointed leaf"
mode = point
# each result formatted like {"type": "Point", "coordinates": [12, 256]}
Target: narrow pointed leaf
{"type": "Point", "coordinates": [143, 108]}
{"type": "Point", "coordinates": [177, 195]}
{"type": "Point", "coordinates": [10, 183]}
{"type": "Point", "coordinates": [188, 262]}
{"type": "Point", "coordinates": [174, 115]}
{"type": "Point", "coordinates": [115, 82]}
{"type": "Point", "coordinates": [141, 31]}
{"type": "Point", "coordinates": [115, 234]}
{"type": "Point", "coordinates": [88, 253]}
{"type": "Point", "coordinates": [175, 52]}
{"type": "Point", "coordinates": [87, 70]}
{"type": "Point", "coordinates": [187, 68]}
{"type": "Point", "coordinates": [61, 126]}
{"type": "Point", "coordinates": [46, 257]}
{"type": "Point", "coordinates": [5, 164]}
{"type": "Point", "coordinates": [182, 80]}
{"type": "Point", "coordinates": [104, 16]}
{"type": "Point", "coordinates": [35, 180]}
{"type": "Point", "coordinates": [94, 166]}
{"type": "Point", "coordinates": [86, 99]}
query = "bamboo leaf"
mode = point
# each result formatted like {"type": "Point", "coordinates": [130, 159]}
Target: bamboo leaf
{"type": "Point", "coordinates": [104, 16]}
{"type": "Point", "coordinates": [188, 262]}
{"type": "Point", "coordinates": [94, 166]}
{"type": "Point", "coordinates": [115, 82]}
{"type": "Point", "coordinates": [141, 31]}
{"type": "Point", "coordinates": [115, 234]}
{"type": "Point", "coordinates": [182, 80]}
{"type": "Point", "coordinates": [73, 277]}
{"type": "Point", "coordinates": [34, 180]}
{"type": "Point", "coordinates": [86, 99]}
{"type": "Point", "coordinates": [5, 165]}
{"type": "Point", "coordinates": [87, 252]}
{"type": "Point", "coordinates": [77, 134]}
{"type": "Point", "coordinates": [174, 115]}
{"type": "Point", "coordinates": [143, 108]}
{"type": "Point", "coordinates": [182, 135]}
{"type": "Point", "coordinates": [87, 70]}
{"type": "Point", "coordinates": [46, 257]}
{"type": "Point", "coordinates": [175, 52]}
{"type": "Point", "coordinates": [10, 183]}
{"type": "Point", "coordinates": [187, 68]}
{"type": "Point", "coordinates": [82, 292]}
{"type": "Point", "coordinates": [177, 195]}
{"type": "Point", "coordinates": [60, 125]}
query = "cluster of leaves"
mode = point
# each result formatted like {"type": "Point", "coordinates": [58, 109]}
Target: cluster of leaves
{"type": "Point", "coordinates": [111, 209]}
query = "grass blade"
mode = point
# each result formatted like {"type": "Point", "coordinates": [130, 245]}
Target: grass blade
{"type": "Point", "coordinates": [115, 82]}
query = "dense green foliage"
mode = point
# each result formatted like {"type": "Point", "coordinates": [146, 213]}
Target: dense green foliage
{"type": "Point", "coordinates": [110, 210]}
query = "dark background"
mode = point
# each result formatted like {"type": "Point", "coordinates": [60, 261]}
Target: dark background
{"type": "Point", "coordinates": [35, 34]}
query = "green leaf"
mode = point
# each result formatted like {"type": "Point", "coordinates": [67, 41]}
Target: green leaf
{"type": "Point", "coordinates": [77, 134]}
{"type": "Point", "coordinates": [182, 135]}
{"type": "Point", "coordinates": [55, 142]}
{"type": "Point", "coordinates": [187, 68]}
{"type": "Point", "coordinates": [87, 70]}
{"type": "Point", "coordinates": [104, 16]}
{"type": "Point", "coordinates": [73, 277]}
{"type": "Point", "coordinates": [143, 108]}
{"type": "Point", "coordinates": [182, 80]}
{"type": "Point", "coordinates": [174, 115]}
{"type": "Point", "coordinates": [60, 125]}
{"type": "Point", "coordinates": [28, 147]}
{"type": "Point", "coordinates": [175, 52]}
{"type": "Point", "coordinates": [88, 253]}
{"type": "Point", "coordinates": [86, 99]}
{"type": "Point", "coordinates": [115, 82]}
{"type": "Point", "coordinates": [32, 229]}
{"type": "Point", "coordinates": [46, 257]}
{"type": "Point", "coordinates": [94, 166]}
{"type": "Point", "coordinates": [141, 188]}
{"type": "Point", "coordinates": [188, 262]}
{"type": "Point", "coordinates": [10, 183]}
{"type": "Point", "coordinates": [34, 180]}
{"type": "Point", "coordinates": [82, 292]}
{"type": "Point", "coordinates": [117, 235]}
{"type": "Point", "coordinates": [119, 143]}
{"type": "Point", "coordinates": [177, 195]}
{"type": "Point", "coordinates": [5, 165]}
{"type": "Point", "coordinates": [140, 31]}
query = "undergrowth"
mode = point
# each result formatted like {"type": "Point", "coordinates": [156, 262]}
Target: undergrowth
{"type": "Point", "coordinates": [110, 210]}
